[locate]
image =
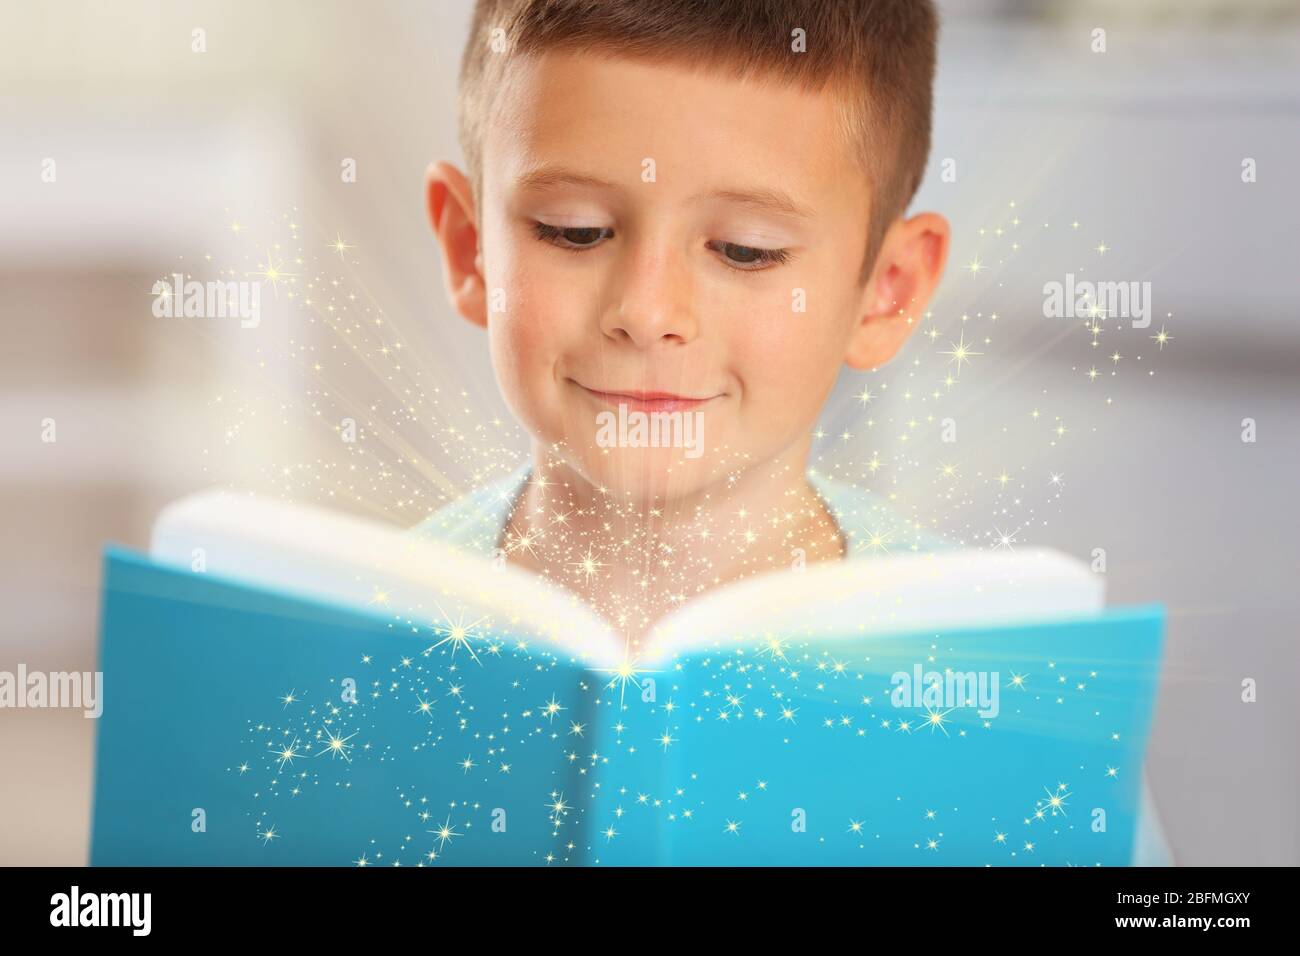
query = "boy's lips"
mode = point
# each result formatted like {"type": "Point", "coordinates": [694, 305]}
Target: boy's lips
{"type": "Point", "coordinates": [641, 400]}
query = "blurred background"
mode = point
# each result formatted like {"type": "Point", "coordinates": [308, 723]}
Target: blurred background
{"type": "Point", "coordinates": [159, 150]}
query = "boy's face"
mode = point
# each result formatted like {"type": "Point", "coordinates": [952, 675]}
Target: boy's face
{"type": "Point", "coordinates": [651, 231]}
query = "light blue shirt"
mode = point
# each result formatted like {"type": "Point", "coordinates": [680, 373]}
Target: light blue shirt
{"type": "Point", "coordinates": [475, 521]}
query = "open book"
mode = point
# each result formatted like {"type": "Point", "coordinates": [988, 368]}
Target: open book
{"type": "Point", "coordinates": [315, 553]}
{"type": "Point", "coordinates": [316, 688]}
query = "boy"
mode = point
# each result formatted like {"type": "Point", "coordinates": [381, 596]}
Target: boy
{"type": "Point", "coordinates": [693, 213]}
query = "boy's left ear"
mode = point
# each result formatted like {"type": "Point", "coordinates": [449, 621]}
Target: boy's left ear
{"type": "Point", "coordinates": [906, 272]}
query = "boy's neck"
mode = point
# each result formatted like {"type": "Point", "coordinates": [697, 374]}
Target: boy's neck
{"type": "Point", "coordinates": [634, 564]}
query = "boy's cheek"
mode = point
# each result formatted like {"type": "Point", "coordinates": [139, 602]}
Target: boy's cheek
{"type": "Point", "coordinates": [795, 360]}
{"type": "Point", "coordinates": [527, 346]}
{"type": "Point", "coordinates": [520, 360]}
{"type": "Point", "coordinates": [775, 412]}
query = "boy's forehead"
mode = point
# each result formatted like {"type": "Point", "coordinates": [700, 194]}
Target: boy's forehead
{"type": "Point", "coordinates": [604, 116]}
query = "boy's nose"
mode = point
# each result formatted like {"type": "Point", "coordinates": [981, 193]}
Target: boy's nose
{"type": "Point", "coordinates": [653, 304]}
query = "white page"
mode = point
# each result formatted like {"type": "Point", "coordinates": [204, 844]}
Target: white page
{"type": "Point", "coordinates": [315, 553]}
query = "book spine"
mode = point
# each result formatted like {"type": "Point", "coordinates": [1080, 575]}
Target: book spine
{"type": "Point", "coordinates": [628, 806]}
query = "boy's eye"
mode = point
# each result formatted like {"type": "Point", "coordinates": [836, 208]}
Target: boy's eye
{"type": "Point", "coordinates": [749, 258]}
{"type": "Point", "coordinates": [578, 237]}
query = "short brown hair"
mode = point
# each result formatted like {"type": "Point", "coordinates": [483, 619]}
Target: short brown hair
{"type": "Point", "coordinates": [878, 56]}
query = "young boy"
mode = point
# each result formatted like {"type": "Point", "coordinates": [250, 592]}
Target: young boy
{"type": "Point", "coordinates": [680, 220]}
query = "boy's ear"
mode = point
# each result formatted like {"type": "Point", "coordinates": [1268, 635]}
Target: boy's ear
{"type": "Point", "coordinates": [905, 274]}
{"type": "Point", "coordinates": [450, 201]}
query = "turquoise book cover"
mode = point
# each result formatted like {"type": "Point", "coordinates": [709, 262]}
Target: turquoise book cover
{"type": "Point", "coordinates": [243, 726]}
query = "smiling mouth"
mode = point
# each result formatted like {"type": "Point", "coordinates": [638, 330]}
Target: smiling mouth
{"type": "Point", "coordinates": [645, 401]}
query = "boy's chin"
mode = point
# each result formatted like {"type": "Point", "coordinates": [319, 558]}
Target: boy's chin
{"type": "Point", "coordinates": [647, 477]}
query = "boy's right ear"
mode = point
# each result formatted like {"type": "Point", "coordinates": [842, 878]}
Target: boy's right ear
{"type": "Point", "coordinates": [450, 200]}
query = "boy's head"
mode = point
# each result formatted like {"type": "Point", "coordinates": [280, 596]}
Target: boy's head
{"type": "Point", "coordinates": [702, 200]}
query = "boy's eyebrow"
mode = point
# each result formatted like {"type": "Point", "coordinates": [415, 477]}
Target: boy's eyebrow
{"type": "Point", "coordinates": [544, 176]}
{"type": "Point", "coordinates": [769, 200]}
